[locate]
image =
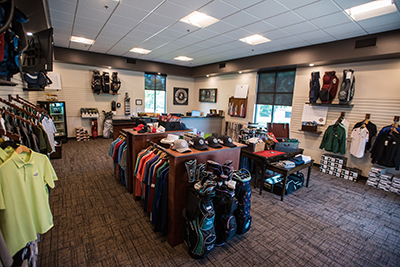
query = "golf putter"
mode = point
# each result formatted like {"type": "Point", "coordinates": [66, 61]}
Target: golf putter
{"type": "Point", "coordinates": [191, 169]}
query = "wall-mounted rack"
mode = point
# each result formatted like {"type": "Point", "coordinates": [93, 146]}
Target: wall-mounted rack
{"type": "Point", "coordinates": [237, 107]}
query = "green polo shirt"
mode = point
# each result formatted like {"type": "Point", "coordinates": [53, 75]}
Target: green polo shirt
{"type": "Point", "coordinates": [24, 201]}
{"type": "Point", "coordinates": [5, 153]}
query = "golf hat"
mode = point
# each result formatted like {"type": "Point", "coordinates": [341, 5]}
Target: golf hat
{"type": "Point", "coordinates": [181, 146]}
{"type": "Point", "coordinates": [226, 141]}
{"type": "Point", "coordinates": [212, 141]}
{"type": "Point", "coordinates": [139, 127]}
{"type": "Point", "coordinates": [198, 143]}
{"type": "Point", "coordinates": [170, 139]}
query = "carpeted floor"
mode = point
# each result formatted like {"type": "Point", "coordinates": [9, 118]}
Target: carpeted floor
{"type": "Point", "coordinates": [333, 222]}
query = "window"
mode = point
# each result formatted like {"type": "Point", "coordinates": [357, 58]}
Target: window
{"type": "Point", "coordinates": [274, 96]}
{"type": "Point", "coordinates": [154, 97]}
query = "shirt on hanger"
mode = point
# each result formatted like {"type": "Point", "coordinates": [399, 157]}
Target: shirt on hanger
{"type": "Point", "coordinates": [360, 137]}
{"type": "Point", "coordinates": [24, 205]}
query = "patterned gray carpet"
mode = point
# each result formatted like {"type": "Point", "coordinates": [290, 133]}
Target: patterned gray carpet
{"type": "Point", "coordinates": [333, 222]}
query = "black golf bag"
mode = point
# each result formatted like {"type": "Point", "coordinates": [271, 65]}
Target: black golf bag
{"type": "Point", "coordinates": [243, 195]}
{"type": "Point", "coordinates": [106, 82]}
{"type": "Point", "coordinates": [314, 87]}
{"type": "Point", "coordinates": [198, 230]}
{"type": "Point", "coordinates": [116, 83]}
{"type": "Point", "coordinates": [96, 82]}
{"type": "Point", "coordinates": [346, 92]}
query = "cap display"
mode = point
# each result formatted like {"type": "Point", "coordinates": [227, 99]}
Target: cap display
{"type": "Point", "coordinates": [139, 127]}
{"type": "Point", "coordinates": [170, 139]}
{"type": "Point", "coordinates": [181, 146]}
{"type": "Point", "coordinates": [198, 143]}
{"type": "Point", "coordinates": [145, 129]}
{"type": "Point", "coordinates": [226, 141]}
{"type": "Point", "coordinates": [212, 141]}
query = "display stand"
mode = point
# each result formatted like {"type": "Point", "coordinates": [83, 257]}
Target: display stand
{"type": "Point", "coordinates": [237, 107]}
{"type": "Point", "coordinates": [136, 142]}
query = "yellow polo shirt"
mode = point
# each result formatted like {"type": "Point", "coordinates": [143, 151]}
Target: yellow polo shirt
{"type": "Point", "coordinates": [24, 201]}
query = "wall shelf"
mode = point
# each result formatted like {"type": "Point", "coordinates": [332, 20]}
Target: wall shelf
{"type": "Point", "coordinates": [32, 89]}
{"type": "Point", "coordinates": [330, 105]}
{"type": "Point", "coordinates": [314, 132]}
{"type": "Point", "coordinates": [237, 107]}
{"type": "Point", "coordinates": [7, 83]}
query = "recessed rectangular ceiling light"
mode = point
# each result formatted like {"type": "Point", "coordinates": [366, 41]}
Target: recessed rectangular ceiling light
{"type": "Point", "coordinates": [82, 40]}
{"type": "Point", "coordinates": [183, 58]}
{"type": "Point", "coordinates": [199, 19]}
{"type": "Point", "coordinates": [140, 50]}
{"type": "Point", "coordinates": [371, 9]}
{"type": "Point", "coordinates": [255, 39]}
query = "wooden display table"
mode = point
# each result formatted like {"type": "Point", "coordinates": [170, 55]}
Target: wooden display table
{"type": "Point", "coordinates": [136, 142]}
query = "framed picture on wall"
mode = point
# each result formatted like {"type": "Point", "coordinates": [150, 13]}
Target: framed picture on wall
{"type": "Point", "coordinates": [181, 96]}
{"type": "Point", "coordinates": [208, 95]}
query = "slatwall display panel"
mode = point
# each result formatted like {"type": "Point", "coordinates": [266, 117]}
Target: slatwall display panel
{"type": "Point", "coordinates": [376, 94]}
{"type": "Point", "coordinates": [13, 90]}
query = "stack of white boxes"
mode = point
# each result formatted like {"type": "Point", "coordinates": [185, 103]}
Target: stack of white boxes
{"type": "Point", "coordinates": [395, 188]}
{"type": "Point", "coordinates": [374, 176]}
{"type": "Point", "coordinates": [336, 165]}
{"type": "Point", "coordinates": [385, 181]}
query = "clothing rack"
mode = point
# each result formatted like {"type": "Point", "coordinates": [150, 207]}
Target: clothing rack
{"type": "Point", "coordinates": [10, 135]}
{"type": "Point", "coordinates": [158, 146]}
{"type": "Point", "coordinates": [17, 117]}
{"type": "Point", "coordinates": [19, 109]}
{"type": "Point", "coordinates": [27, 103]}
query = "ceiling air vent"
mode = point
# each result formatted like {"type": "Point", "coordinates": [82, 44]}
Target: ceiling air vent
{"type": "Point", "coordinates": [366, 43]}
{"type": "Point", "coordinates": [131, 60]}
{"type": "Point", "coordinates": [222, 65]}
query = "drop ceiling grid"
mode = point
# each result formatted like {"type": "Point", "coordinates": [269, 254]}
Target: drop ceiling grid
{"type": "Point", "coordinates": [155, 25]}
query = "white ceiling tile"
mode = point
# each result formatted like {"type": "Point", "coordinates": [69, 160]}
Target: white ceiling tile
{"type": "Point", "coordinates": [146, 5]}
{"type": "Point", "coordinates": [203, 34]}
{"type": "Point", "coordinates": [322, 40]}
{"type": "Point", "coordinates": [137, 35]}
{"type": "Point", "coordinates": [99, 4]}
{"type": "Point", "coordinates": [194, 5]}
{"type": "Point", "coordinates": [89, 22]}
{"type": "Point", "coordinates": [122, 23]}
{"type": "Point", "coordinates": [208, 43]}
{"type": "Point", "coordinates": [222, 39]}
{"type": "Point", "coordinates": [172, 33]}
{"type": "Point", "coordinates": [238, 34]}
{"type": "Point", "coordinates": [276, 34]}
{"type": "Point", "coordinates": [259, 27]}
{"type": "Point", "coordinates": [62, 25]}
{"type": "Point", "coordinates": [147, 27]}
{"type": "Point", "coordinates": [179, 43]}
{"type": "Point", "coordinates": [315, 35]}
{"type": "Point", "coordinates": [380, 21]}
{"type": "Point", "coordinates": [331, 20]}
{"type": "Point", "coordinates": [128, 11]}
{"type": "Point", "coordinates": [318, 9]}
{"type": "Point", "coordinates": [240, 19]}
{"type": "Point", "coordinates": [266, 9]}
{"type": "Point", "coordinates": [292, 41]}
{"type": "Point", "coordinates": [301, 27]}
{"type": "Point", "coordinates": [113, 32]}
{"type": "Point", "coordinates": [345, 4]}
{"type": "Point", "coordinates": [285, 19]}
{"type": "Point", "coordinates": [293, 4]}
{"type": "Point", "coordinates": [345, 30]}
{"type": "Point", "coordinates": [155, 42]}
{"type": "Point", "coordinates": [242, 4]}
{"type": "Point", "coordinates": [88, 12]}
{"type": "Point", "coordinates": [62, 16]}
{"type": "Point", "coordinates": [182, 27]}
{"type": "Point", "coordinates": [383, 28]}
{"type": "Point", "coordinates": [221, 27]}
{"type": "Point", "coordinates": [157, 19]}
{"type": "Point", "coordinates": [218, 9]}
{"type": "Point", "coordinates": [86, 32]}
{"type": "Point", "coordinates": [99, 49]}
{"type": "Point", "coordinates": [66, 6]}
{"type": "Point", "coordinates": [173, 11]}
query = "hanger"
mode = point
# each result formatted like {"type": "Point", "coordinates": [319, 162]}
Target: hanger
{"type": "Point", "coordinates": [21, 149]}
{"type": "Point", "coordinates": [10, 143]}
{"type": "Point", "coordinates": [395, 125]}
{"type": "Point", "coordinates": [366, 120]}
{"type": "Point", "coordinates": [18, 108]}
{"type": "Point", "coordinates": [340, 119]}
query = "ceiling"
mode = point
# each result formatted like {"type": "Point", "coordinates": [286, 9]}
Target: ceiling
{"type": "Point", "coordinates": [118, 26]}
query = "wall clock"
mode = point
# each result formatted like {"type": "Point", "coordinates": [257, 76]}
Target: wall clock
{"type": "Point", "coordinates": [181, 96]}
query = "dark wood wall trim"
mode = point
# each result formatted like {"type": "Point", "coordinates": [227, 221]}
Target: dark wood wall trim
{"type": "Point", "coordinates": [344, 51]}
{"type": "Point", "coordinates": [103, 60]}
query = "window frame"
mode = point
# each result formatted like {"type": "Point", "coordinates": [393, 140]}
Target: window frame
{"type": "Point", "coordinates": [274, 93]}
{"type": "Point", "coordinates": [154, 90]}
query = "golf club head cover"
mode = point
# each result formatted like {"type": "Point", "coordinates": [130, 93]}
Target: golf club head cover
{"type": "Point", "coordinates": [215, 167]}
{"type": "Point", "coordinates": [191, 169]}
{"type": "Point", "coordinates": [228, 163]}
{"type": "Point", "coordinates": [201, 167]}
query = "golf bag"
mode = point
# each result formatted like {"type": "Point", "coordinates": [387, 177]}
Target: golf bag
{"type": "Point", "coordinates": [346, 92]}
{"type": "Point", "coordinates": [329, 87]}
{"type": "Point", "coordinates": [116, 83]}
{"type": "Point", "coordinates": [314, 87]}
{"type": "Point", "coordinates": [96, 82]}
{"type": "Point", "coordinates": [198, 230]}
{"type": "Point", "coordinates": [106, 82]}
{"type": "Point", "coordinates": [243, 195]}
{"type": "Point", "coordinates": [225, 204]}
